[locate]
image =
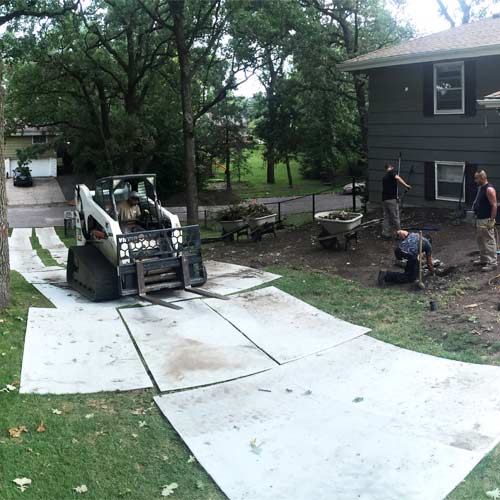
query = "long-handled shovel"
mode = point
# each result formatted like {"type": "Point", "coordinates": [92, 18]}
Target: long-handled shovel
{"type": "Point", "coordinates": [420, 282]}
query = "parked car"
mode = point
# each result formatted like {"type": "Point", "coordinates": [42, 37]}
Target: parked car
{"type": "Point", "coordinates": [22, 177]}
{"type": "Point", "coordinates": [359, 186]}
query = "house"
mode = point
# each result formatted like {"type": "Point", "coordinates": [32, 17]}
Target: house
{"type": "Point", "coordinates": [45, 163]}
{"type": "Point", "coordinates": [427, 101]}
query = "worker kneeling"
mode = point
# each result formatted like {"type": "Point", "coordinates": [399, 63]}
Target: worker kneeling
{"type": "Point", "coordinates": [129, 214]}
{"type": "Point", "coordinates": [408, 249]}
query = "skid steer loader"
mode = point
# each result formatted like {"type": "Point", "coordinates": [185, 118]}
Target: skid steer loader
{"type": "Point", "coordinates": [114, 259]}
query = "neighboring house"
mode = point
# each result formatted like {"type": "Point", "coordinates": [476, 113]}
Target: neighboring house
{"type": "Point", "coordinates": [45, 165]}
{"type": "Point", "coordinates": [427, 102]}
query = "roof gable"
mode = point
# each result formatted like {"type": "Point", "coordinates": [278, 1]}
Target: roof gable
{"type": "Point", "coordinates": [480, 38]}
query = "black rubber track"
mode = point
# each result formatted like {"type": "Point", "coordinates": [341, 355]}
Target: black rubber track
{"type": "Point", "coordinates": [91, 274]}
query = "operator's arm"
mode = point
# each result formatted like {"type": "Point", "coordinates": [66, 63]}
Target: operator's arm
{"type": "Point", "coordinates": [492, 198]}
{"type": "Point", "coordinates": [402, 182]}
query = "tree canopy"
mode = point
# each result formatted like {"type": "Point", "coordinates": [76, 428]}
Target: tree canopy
{"type": "Point", "coordinates": [140, 85]}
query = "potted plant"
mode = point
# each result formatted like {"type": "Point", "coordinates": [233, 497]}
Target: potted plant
{"type": "Point", "coordinates": [232, 217]}
{"type": "Point", "coordinates": [259, 215]}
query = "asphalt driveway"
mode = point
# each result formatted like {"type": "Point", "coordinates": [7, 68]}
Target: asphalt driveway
{"type": "Point", "coordinates": [45, 191]}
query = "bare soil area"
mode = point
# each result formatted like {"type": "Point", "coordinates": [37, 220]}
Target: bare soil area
{"type": "Point", "coordinates": [466, 299]}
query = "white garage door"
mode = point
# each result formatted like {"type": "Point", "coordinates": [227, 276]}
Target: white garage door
{"type": "Point", "coordinates": [39, 168]}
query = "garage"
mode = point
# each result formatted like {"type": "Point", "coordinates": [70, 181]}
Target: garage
{"type": "Point", "coordinates": [39, 168]}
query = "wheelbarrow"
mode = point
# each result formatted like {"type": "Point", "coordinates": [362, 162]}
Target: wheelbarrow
{"type": "Point", "coordinates": [337, 225]}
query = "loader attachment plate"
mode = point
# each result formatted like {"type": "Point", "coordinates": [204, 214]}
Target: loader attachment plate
{"type": "Point", "coordinates": [161, 259]}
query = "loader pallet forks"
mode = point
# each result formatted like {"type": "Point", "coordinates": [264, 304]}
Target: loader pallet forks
{"type": "Point", "coordinates": [147, 261]}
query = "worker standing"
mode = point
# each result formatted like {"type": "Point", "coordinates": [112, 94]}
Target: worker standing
{"type": "Point", "coordinates": [390, 202]}
{"type": "Point", "coordinates": [485, 208]}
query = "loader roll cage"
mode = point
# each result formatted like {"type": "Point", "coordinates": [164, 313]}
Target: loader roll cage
{"type": "Point", "coordinates": [111, 191]}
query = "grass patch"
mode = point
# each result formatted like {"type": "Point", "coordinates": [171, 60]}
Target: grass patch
{"type": "Point", "coordinates": [43, 253]}
{"type": "Point", "coordinates": [394, 316]}
{"type": "Point", "coordinates": [254, 180]}
{"type": "Point", "coordinates": [297, 220]}
{"type": "Point", "coordinates": [69, 240]}
{"type": "Point", "coordinates": [110, 452]}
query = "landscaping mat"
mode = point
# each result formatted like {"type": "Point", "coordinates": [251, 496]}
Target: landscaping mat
{"type": "Point", "coordinates": [283, 326]}
{"type": "Point", "coordinates": [69, 351]}
{"type": "Point", "coordinates": [362, 420]}
{"type": "Point", "coordinates": [193, 346]}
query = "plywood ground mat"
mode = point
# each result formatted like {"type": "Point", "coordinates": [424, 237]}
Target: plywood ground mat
{"type": "Point", "coordinates": [364, 420]}
{"type": "Point", "coordinates": [193, 346]}
{"type": "Point", "coordinates": [283, 326]}
{"type": "Point", "coordinates": [69, 351]}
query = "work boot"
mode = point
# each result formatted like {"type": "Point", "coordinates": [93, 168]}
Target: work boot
{"type": "Point", "coordinates": [488, 268]}
{"type": "Point", "coordinates": [381, 278]}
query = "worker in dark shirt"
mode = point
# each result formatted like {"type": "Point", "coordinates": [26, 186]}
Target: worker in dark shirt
{"type": "Point", "coordinates": [485, 208]}
{"type": "Point", "coordinates": [390, 202]}
{"type": "Point", "coordinates": [408, 249]}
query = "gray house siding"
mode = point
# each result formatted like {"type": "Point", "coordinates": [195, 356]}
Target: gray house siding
{"type": "Point", "coordinates": [396, 124]}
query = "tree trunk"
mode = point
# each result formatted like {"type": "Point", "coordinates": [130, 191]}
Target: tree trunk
{"type": "Point", "coordinates": [271, 161]}
{"type": "Point", "coordinates": [104, 123]}
{"type": "Point", "coordinates": [272, 110]}
{"type": "Point", "coordinates": [228, 161]}
{"type": "Point", "coordinates": [288, 171]}
{"type": "Point", "coordinates": [177, 10]}
{"type": "Point", "coordinates": [4, 226]}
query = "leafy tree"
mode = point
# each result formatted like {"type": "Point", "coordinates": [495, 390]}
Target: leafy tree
{"type": "Point", "coordinates": [206, 64]}
{"type": "Point", "coordinates": [459, 12]}
{"type": "Point", "coordinates": [355, 27]}
{"type": "Point", "coordinates": [269, 30]}
{"type": "Point", "coordinates": [107, 58]}
{"type": "Point", "coordinates": [11, 10]}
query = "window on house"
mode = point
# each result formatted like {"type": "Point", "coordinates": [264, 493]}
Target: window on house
{"type": "Point", "coordinates": [449, 88]}
{"type": "Point", "coordinates": [449, 180]}
{"type": "Point", "coordinates": [39, 139]}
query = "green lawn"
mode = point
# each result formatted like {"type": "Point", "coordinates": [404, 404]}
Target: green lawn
{"type": "Point", "coordinates": [253, 181]}
{"type": "Point", "coordinates": [99, 440]}
{"type": "Point", "coordinates": [43, 253]}
{"type": "Point", "coordinates": [69, 240]}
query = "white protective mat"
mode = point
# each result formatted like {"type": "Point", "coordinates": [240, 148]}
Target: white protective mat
{"type": "Point", "coordinates": [363, 420]}
{"type": "Point", "coordinates": [49, 240]}
{"type": "Point", "coordinates": [224, 279]}
{"type": "Point", "coordinates": [47, 275]}
{"type": "Point", "coordinates": [283, 326]}
{"type": "Point", "coordinates": [22, 256]}
{"type": "Point", "coordinates": [193, 346]}
{"type": "Point", "coordinates": [62, 296]}
{"type": "Point", "coordinates": [70, 351]}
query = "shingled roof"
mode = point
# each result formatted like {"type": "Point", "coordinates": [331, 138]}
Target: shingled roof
{"type": "Point", "coordinates": [480, 38]}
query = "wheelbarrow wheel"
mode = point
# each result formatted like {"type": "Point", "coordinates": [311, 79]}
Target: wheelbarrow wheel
{"type": "Point", "coordinates": [329, 243]}
{"type": "Point", "coordinates": [228, 238]}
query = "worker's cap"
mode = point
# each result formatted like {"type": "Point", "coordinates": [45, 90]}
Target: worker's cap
{"type": "Point", "coordinates": [134, 194]}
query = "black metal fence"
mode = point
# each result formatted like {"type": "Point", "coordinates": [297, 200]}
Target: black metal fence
{"type": "Point", "coordinates": [308, 203]}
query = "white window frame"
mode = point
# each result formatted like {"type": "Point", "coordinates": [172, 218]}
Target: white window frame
{"type": "Point", "coordinates": [449, 111]}
{"type": "Point", "coordinates": [44, 142]}
{"type": "Point", "coordinates": [453, 163]}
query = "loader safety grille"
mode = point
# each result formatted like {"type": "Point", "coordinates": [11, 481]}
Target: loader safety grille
{"type": "Point", "coordinates": [161, 243]}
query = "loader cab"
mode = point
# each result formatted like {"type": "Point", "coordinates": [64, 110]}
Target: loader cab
{"type": "Point", "coordinates": [110, 192]}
